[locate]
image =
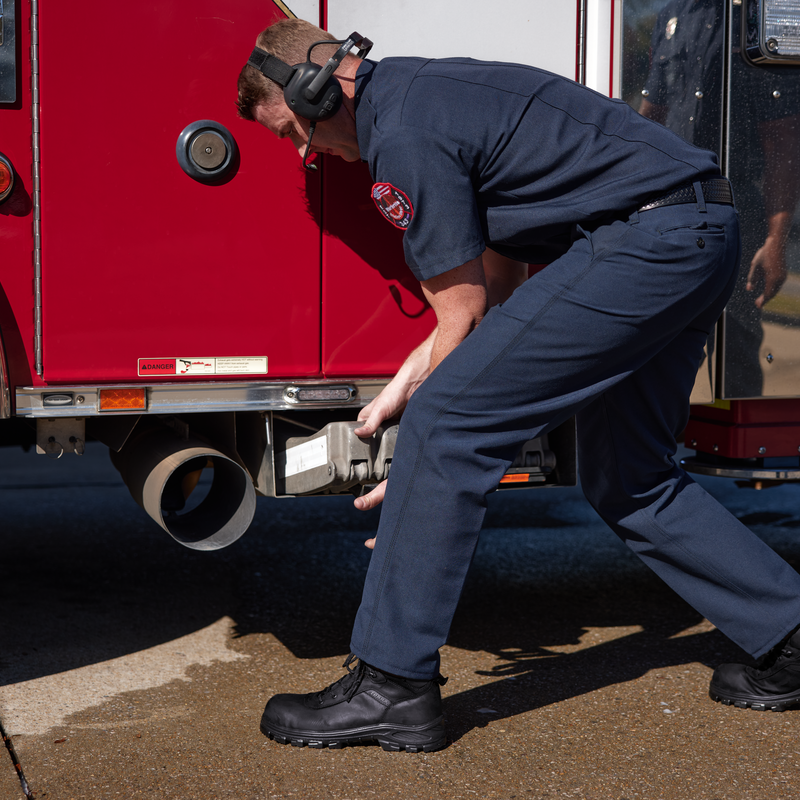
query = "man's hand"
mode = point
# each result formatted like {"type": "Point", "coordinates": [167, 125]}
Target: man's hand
{"type": "Point", "coordinates": [779, 141]}
{"type": "Point", "coordinates": [389, 403]}
{"type": "Point", "coordinates": [767, 268]}
{"type": "Point", "coordinates": [459, 299]}
{"type": "Point", "coordinates": [369, 501]}
{"type": "Point", "coordinates": [396, 394]}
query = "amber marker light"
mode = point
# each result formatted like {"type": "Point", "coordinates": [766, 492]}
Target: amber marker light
{"type": "Point", "coordinates": [516, 477]}
{"type": "Point", "coordinates": [6, 178]}
{"type": "Point", "coordinates": [123, 399]}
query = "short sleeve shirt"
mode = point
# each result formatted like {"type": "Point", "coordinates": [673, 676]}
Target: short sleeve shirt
{"type": "Point", "coordinates": [466, 154]}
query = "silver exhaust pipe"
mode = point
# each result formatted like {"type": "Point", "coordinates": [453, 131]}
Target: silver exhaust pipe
{"type": "Point", "coordinates": [165, 476]}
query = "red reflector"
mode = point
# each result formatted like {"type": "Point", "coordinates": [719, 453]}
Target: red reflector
{"type": "Point", "coordinates": [123, 399]}
{"type": "Point", "coordinates": [516, 477]}
{"type": "Point", "coordinates": [6, 177]}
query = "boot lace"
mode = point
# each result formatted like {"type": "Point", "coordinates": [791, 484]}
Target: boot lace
{"type": "Point", "coordinates": [347, 685]}
{"type": "Point", "coordinates": [768, 660]}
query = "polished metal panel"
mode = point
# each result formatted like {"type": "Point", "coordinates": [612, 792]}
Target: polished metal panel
{"type": "Point", "coordinates": [755, 473]}
{"type": "Point", "coordinates": [8, 54]}
{"type": "Point", "coordinates": [761, 333]}
{"type": "Point", "coordinates": [673, 72]}
{"type": "Point", "coordinates": [772, 31]}
{"type": "Point", "coordinates": [683, 66]}
{"type": "Point", "coordinates": [173, 398]}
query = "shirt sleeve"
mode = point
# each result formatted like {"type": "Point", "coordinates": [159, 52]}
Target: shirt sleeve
{"type": "Point", "coordinates": [442, 225]}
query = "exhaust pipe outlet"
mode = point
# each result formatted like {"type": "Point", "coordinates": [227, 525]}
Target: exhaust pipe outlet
{"type": "Point", "coordinates": [164, 475]}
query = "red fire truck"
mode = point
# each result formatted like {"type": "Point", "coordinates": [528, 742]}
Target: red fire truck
{"type": "Point", "coordinates": [174, 285]}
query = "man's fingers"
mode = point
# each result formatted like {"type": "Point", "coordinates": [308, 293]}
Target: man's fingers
{"type": "Point", "coordinates": [371, 422]}
{"type": "Point", "coordinates": [366, 430]}
{"type": "Point", "coordinates": [371, 500]}
{"type": "Point", "coordinates": [370, 543]}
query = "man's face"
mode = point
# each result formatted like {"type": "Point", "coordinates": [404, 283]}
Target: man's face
{"type": "Point", "coordinates": [335, 136]}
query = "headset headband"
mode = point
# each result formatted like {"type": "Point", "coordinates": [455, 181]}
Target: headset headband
{"type": "Point", "coordinates": [281, 73]}
{"type": "Point", "coordinates": [271, 67]}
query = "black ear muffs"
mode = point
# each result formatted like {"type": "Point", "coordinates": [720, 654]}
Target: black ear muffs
{"type": "Point", "coordinates": [310, 90]}
{"type": "Point", "coordinates": [320, 104]}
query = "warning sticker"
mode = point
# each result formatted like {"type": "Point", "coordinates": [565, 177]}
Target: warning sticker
{"type": "Point", "coordinates": [241, 366]}
{"type": "Point", "coordinates": [156, 366]}
{"type": "Point", "coordinates": [189, 366]}
{"type": "Point", "coordinates": [305, 456]}
{"type": "Point", "coordinates": [195, 366]}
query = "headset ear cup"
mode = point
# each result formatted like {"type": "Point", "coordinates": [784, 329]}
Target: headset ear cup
{"type": "Point", "coordinates": [324, 105]}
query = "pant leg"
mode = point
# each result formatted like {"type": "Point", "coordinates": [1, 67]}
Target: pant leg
{"type": "Point", "coordinates": [626, 444]}
{"type": "Point", "coordinates": [586, 323]}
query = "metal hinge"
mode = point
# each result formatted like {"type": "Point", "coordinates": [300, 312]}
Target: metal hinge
{"type": "Point", "coordinates": [37, 200]}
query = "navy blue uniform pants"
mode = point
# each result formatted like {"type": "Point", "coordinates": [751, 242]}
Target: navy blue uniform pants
{"type": "Point", "coordinates": [612, 332]}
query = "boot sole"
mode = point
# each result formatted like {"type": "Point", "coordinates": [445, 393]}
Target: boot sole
{"type": "Point", "coordinates": [778, 703]}
{"type": "Point", "coordinates": [393, 738]}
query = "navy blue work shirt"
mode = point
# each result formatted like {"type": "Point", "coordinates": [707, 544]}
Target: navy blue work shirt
{"type": "Point", "coordinates": [467, 154]}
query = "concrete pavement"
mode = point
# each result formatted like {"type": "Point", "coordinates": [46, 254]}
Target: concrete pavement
{"type": "Point", "coordinates": [134, 668]}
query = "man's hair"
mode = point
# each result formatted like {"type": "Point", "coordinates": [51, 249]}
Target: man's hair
{"type": "Point", "coordinates": [288, 40]}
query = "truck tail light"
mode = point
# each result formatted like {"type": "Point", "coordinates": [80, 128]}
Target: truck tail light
{"type": "Point", "coordinates": [516, 477]}
{"type": "Point", "coordinates": [123, 399]}
{"type": "Point", "coordinates": [6, 178]}
{"type": "Point", "coordinates": [319, 394]}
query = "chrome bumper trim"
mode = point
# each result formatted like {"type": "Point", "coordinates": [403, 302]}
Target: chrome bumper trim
{"type": "Point", "coordinates": [187, 398]}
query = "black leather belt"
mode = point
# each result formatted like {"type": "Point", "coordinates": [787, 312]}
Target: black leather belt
{"type": "Point", "coordinates": [716, 190]}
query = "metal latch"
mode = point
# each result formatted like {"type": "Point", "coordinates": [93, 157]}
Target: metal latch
{"type": "Point", "coordinates": [334, 459]}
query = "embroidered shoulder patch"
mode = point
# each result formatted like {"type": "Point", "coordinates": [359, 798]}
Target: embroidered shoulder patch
{"type": "Point", "coordinates": [393, 204]}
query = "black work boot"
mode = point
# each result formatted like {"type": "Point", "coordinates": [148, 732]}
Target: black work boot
{"type": "Point", "coordinates": [366, 705]}
{"type": "Point", "coordinates": [773, 684]}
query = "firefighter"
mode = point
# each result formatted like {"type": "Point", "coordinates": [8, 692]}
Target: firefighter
{"type": "Point", "coordinates": [487, 167]}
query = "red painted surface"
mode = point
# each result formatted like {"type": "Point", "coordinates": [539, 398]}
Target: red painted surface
{"type": "Point", "coordinates": [373, 310]}
{"type": "Point", "coordinates": [746, 427]}
{"type": "Point", "coordinates": [140, 260]}
{"type": "Point", "coordinates": [16, 218]}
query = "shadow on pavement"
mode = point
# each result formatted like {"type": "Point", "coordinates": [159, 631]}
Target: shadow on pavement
{"type": "Point", "coordinates": [87, 577]}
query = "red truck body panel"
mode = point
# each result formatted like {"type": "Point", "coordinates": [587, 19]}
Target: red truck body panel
{"type": "Point", "coordinates": [139, 260]}
{"type": "Point", "coordinates": [16, 218]}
